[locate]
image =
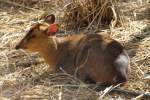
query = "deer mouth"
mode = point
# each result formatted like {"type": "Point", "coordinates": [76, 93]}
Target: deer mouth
{"type": "Point", "coordinates": [20, 47]}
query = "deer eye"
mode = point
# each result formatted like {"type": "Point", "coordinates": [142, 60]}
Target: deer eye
{"type": "Point", "coordinates": [31, 37]}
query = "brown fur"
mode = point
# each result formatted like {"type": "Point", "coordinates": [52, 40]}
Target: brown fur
{"type": "Point", "coordinates": [92, 57]}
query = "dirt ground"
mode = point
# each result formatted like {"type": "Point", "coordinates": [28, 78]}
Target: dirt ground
{"type": "Point", "coordinates": [20, 71]}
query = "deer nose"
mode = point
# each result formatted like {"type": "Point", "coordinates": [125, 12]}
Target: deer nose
{"type": "Point", "coordinates": [17, 47]}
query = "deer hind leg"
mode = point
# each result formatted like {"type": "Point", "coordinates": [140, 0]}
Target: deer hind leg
{"type": "Point", "coordinates": [83, 75]}
{"type": "Point", "coordinates": [121, 64]}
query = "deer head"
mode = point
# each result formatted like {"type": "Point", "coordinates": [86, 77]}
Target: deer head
{"type": "Point", "coordinates": [34, 38]}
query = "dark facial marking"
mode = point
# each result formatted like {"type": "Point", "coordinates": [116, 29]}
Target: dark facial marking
{"type": "Point", "coordinates": [31, 37]}
{"type": "Point", "coordinates": [30, 34]}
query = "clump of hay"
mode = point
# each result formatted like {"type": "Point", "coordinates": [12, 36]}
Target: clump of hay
{"type": "Point", "coordinates": [91, 14]}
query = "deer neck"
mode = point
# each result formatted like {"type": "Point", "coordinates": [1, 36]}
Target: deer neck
{"type": "Point", "coordinates": [51, 52]}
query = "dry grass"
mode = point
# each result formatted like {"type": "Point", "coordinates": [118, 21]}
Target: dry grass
{"type": "Point", "coordinates": [20, 73]}
{"type": "Point", "coordinates": [91, 14]}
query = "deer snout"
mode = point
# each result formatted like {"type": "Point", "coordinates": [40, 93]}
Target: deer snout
{"type": "Point", "coordinates": [18, 47]}
{"type": "Point", "coordinates": [21, 45]}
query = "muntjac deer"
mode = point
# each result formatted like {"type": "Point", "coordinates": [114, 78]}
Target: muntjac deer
{"type": "Point", "coordinates": [92, 57]}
